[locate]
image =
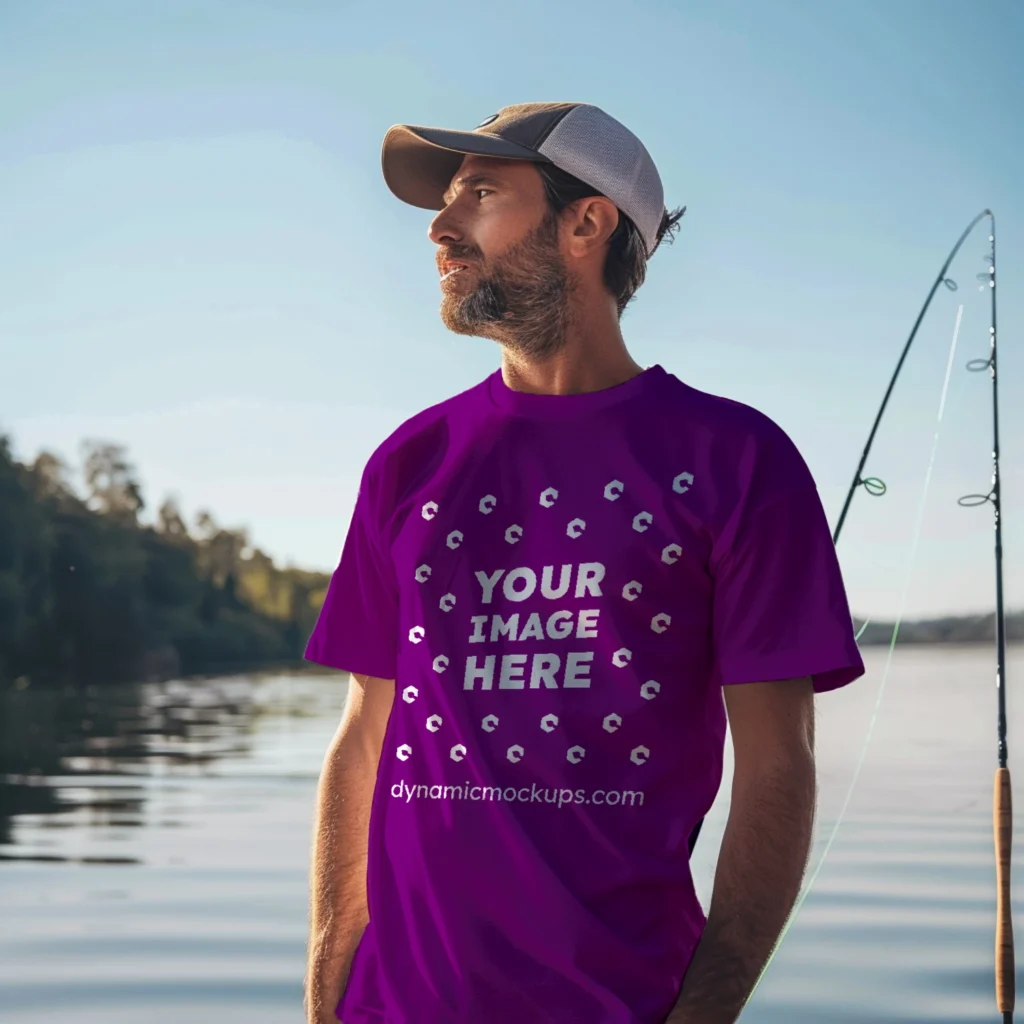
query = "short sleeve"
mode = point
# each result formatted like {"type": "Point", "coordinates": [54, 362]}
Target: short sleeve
{"type": "Point", "coordinates": [357, 630]}
{"type": "Point", "coordinates": [780, 605]}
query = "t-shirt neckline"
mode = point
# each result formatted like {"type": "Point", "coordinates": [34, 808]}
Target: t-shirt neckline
{"type": "Point", "coordinates": [525, 403]}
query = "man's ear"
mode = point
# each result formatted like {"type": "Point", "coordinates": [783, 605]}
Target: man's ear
{"type": "Point", "coordinates": [591, 223]}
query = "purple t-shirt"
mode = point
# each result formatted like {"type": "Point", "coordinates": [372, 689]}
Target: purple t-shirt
{"type": "Point", "coordinates": [561, 586]}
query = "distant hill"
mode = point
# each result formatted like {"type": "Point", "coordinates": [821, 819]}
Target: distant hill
{"type": "Point", "coordinates": [953, 629]}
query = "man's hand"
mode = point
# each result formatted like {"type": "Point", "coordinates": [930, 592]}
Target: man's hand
{"type": "Point", "coordinates": [764, 850]}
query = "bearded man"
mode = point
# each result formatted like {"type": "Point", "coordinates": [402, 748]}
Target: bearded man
{"type": "Point", "coordinates": [556, 591]}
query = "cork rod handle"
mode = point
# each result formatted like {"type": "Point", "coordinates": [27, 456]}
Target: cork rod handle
{"type": "Point", "coordinates": [1003, 822]}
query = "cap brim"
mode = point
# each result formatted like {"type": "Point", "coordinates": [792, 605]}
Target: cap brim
{"type": "Point", "coordinates": [419, 163]}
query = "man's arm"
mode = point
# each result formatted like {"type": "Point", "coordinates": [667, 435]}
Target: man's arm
{"type": "Point", "coordinates": [338, 913]}
{"type": "Point", "coordinates": [764, 850]}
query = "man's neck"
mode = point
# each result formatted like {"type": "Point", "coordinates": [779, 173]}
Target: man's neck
{"type": "Point", "coordinates": [593, 358]}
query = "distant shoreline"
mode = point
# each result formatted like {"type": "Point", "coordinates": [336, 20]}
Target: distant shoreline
{"type": "Point", "coordinates": [950, 629]}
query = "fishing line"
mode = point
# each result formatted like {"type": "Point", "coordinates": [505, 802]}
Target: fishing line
{"type": "Point", "coordinates": [915, 538]}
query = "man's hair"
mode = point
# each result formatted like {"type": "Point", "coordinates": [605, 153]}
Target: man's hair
{"type": "Point", "coordinates": [625, 266]}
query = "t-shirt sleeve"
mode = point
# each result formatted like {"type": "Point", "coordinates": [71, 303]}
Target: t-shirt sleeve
{"type": "Point", "coordinates": [357, 630]}
{"type": "Point", "coordinates": [780, 608]}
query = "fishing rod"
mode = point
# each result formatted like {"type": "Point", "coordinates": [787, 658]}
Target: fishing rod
{"type": "Point", "coordinates": [1001, 798]}
{"type": "Point", "coordinates": [1002, 806]}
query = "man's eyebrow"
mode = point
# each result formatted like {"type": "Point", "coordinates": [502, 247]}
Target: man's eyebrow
{"type": "Point", "coordinates": [470, 181]}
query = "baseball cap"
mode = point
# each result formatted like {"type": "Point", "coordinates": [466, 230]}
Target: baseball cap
{"type": "Point", "coordinates": [579, 138]}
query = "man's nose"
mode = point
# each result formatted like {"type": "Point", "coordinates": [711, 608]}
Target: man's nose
{"type": "Point", "coordinates": [444, 230]}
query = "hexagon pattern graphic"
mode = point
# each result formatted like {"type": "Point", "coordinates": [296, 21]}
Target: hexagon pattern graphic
{"type": "Point", "coordinates": [575, 528]}
{"type": "Point", "coordinates": [440, 663]}
{"type": "Point", "coordinates": [620, 659]}
{"type": "Point", "coordinates": [661, 622]}
{"type": "Point", "coordinates": [458, 752]}
{"type": "Point", "coordinates": [632, 590]}
{"type": "Point", "coordinates": [549, 722]}
{"type": "Point", "coordinates": [455, 538]}
{"type": "Point", "coordinates": [574, 754]}
{"type": "Point", "coordinates": [639, 755]}
{"type": "Point", "coordinates": [671, 553]}
{"type": "Point", "coordinates": [434, 723]}
{"type": "Point", "coordinates": [641, 521]}
{"type": "Point", "coordinates": [490, 723]}
{"type": "Point", "coordinates": [612, 722]}
{"type": "Point", "coordinates": [650, 689]}
{"type": "Point", "coordinates": [410, 693]}
{"type": "Point", "coordinates": [515, 753]}
{"type": "Point", "coordinates": [416, 634]}
{"type": "Point", "coordinates": [514, 534]}
{"type": "Point", "coordinates": [488, 503]}
{"type": "Point", "coordinates": [429, 510]}
{"type": "Point", "coordinates": [447, 603]}
{"type": "Point", "coordinates": [404, 752]}
{"type": "Point", "coordinates": [682, 483]}
{"type": "Point", "coordinates": [548, 497]}
{"type": "Point", "coordinates": [423, 574]}
{"type": "Point", "coordinates": [613, 491]}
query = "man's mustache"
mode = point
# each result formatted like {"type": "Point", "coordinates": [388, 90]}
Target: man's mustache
{"type": "Point", "coordinates": [457, 253]}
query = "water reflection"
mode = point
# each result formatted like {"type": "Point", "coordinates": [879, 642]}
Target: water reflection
{"type": "Point", "coordinates": [87, 760]}
{"type": "Point", "coordinates": [192, 803]}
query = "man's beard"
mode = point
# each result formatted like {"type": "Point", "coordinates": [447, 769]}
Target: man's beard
{"type": "Point", "coordinates": [521, 299]}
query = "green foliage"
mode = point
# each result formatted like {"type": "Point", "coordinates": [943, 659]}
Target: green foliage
{"type": "Point", "coordinates": [89, 595]}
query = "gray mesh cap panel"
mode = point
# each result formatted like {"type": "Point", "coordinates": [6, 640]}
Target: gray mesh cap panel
{"type": "Point", "coordinates": [597, 149]}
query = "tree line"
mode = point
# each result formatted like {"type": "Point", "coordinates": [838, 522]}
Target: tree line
{"type": "Point", "coordinates": [89, 594]}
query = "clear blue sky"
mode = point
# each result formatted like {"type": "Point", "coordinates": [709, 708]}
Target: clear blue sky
{"type": "Point", "coordinates": [199, 258]}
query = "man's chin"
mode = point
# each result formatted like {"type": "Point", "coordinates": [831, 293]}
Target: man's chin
{"type": "Point", "coordinates": [454, 318]}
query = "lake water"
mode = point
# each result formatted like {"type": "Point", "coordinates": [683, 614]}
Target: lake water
{"type": "Point", "coordinates": [154, 845]}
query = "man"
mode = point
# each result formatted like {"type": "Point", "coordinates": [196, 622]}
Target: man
{"type": "Point", "coordinates": [554, 588]}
